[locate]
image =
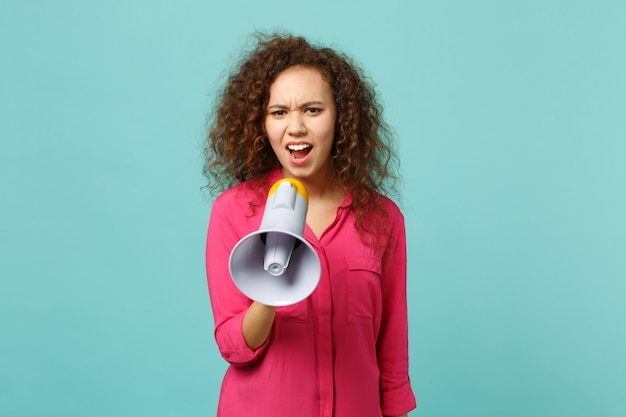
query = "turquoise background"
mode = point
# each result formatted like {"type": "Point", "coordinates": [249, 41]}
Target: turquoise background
{"type": "Point", "coordinates": [512, 122]}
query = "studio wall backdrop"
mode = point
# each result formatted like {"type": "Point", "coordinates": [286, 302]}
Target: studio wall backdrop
{"type": "Point", "coordinates": [511, 118]}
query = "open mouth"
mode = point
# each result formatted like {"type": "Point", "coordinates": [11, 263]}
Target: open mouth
{"type": "Point", "coordinates": [299, 151]}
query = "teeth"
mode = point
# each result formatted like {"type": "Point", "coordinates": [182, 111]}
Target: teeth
{"type": "Point", "coordinates": [298, 147]}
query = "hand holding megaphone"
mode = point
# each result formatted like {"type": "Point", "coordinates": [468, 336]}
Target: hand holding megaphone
{"type": "Point", "coordinates": [275, 265]}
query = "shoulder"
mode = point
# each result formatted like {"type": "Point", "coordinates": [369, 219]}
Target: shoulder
{"type": "Point", "coordinates": [390, 206]}
{"type": "Point", "coordinates": [386, 210]}
{"type": "Point", "coordinates": [245, 196]}
{"type": "Point", "coordinates": [237, 198]}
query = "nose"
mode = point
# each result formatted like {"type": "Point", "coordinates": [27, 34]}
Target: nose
{"type": "Point", "coordinates": [296, 126]}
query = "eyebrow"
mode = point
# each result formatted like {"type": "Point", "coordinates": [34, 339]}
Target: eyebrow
{"type": "Point", "coordinates": [306, 104]}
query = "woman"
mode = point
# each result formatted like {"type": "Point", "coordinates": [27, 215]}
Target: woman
{"type": "Point", "coordinates": [291, 109]}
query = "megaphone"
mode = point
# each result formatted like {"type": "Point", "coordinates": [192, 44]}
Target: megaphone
{"type": "Point", "coordinates": [275, 265]}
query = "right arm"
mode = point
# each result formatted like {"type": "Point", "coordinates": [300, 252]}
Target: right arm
{"type": "Point", "coordinates": [242, 327]}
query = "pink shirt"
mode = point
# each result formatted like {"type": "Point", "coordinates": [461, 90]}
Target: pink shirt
{"type": "Point", "coordinates": [343, 351]}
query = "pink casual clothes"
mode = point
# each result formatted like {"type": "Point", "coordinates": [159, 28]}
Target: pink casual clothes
{"type": "Point", "coordinates": [343, 351]}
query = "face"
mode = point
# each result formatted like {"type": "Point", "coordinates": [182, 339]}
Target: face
{"type": "Point", "coordinates": [300, 123]}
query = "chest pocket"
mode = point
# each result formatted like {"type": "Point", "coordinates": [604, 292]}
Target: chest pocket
{"type": "Point", "coordinates": [364, 295]}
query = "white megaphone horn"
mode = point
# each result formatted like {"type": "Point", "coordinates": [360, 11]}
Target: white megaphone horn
{"type": "Point", "coordinates": [275, 265]}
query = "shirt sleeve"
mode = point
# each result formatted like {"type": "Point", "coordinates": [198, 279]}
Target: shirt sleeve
{"type": "Point", "coordinates": [393, 359]}
{"type": "Point", "coordinates": [227, 302]}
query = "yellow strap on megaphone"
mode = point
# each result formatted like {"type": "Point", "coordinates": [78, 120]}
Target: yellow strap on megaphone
{"type": "Point", "coordinates": [300, 189]}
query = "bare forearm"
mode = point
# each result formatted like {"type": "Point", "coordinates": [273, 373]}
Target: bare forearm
{"type": "Point", "coordinates": [257, 324]}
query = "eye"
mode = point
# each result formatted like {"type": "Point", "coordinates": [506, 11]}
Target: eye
{"type": "Point", "coordinates": [278, 113]}
{"type": "Point", "coordinates": [312, 110]}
